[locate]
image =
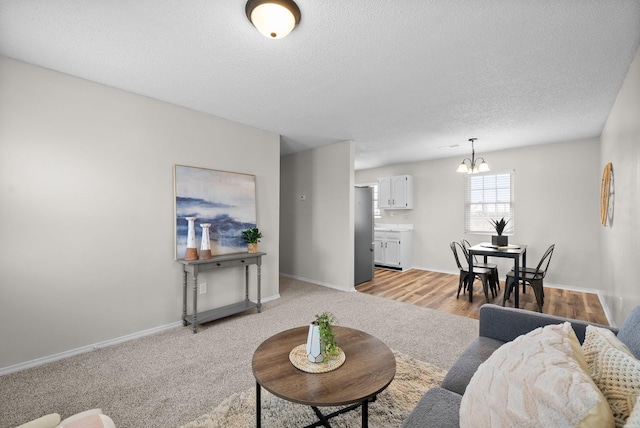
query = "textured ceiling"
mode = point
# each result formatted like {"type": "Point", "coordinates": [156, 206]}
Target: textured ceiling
{"type": "Point", "coordinates": [405, 80]}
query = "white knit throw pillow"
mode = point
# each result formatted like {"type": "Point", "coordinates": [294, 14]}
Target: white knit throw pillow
{"type": "Point", "coordinates": [537, 380]}
{"type": "Point", "coordinates": [614, 369]}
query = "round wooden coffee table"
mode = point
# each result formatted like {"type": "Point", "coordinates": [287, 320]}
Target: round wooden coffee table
{"type": "Point", "coordinates": [369, 368]}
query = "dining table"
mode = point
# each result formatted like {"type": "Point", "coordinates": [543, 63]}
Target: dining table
{"type": "Point", "coordinates": [513, 251]}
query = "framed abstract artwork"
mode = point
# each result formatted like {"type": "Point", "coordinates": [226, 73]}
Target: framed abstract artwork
{"type": "Point", "coordinates": [226, 200]}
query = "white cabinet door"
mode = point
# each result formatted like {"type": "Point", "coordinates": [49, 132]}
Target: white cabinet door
{"type": "Point", "coordinates": [392, 253]}
{"type": "Point", "coordinates": [378, 251]}
{"type": "Point", "coordinates": [399, 191]}
{"type": "Point", "coordinates": [393, 249]}
{"type": "Point", "coordinates": [384, 192]}
{"type": "Point", "coordinates": [395, 192]}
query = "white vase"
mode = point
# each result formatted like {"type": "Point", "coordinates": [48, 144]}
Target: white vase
{"type": "Point", "coordinates": [314, 353]}
{"type": "Point", "coordinates": [192, 251]}
{"type": "Point", "coordinates": [205, 246]}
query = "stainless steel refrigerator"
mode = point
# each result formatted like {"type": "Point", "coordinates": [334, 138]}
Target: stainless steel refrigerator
{"type": "Point", "coordinates": [363, 234]}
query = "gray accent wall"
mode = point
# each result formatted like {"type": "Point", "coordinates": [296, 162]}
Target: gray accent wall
{"type": "Point", "coordinates": [86, 210]}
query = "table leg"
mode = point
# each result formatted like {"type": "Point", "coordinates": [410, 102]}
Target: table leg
{"type": "Point", "coordinates": [258, 406]}
{"type": "Point", "coordinates": [323, 420]}
{"type": "Point", "coordinates": [184, 298]}
{"type": "Point", "coordinates": [194, 325]}
{"type": "Point", "coordinates": [259, 266]}
{"type": "Point", "coordinates": [470, 278]}
{"type": "Point", "coordinates": [246, 282]}
{"type": "Point", "coordinates": [365, 414]}
{"type": "Point", "coordinates": [524, 265]}
{"type": "Point", "coordinates": [516, 284]}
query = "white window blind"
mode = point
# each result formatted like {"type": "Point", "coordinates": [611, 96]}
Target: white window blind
{"type": "Point", "coordinates": [488, 196]}
{"type": "Point", "coordinates": [376, 207]}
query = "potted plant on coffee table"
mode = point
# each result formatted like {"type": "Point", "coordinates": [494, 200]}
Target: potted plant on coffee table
{"type": "Point", "coordinates": [252, 237]}
{"type": "Point", "coordinates": [499, 240]}
{"type": "Point", "coordinates": [321, 343]}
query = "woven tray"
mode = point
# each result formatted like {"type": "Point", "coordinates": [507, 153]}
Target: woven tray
{"type": "Point", "coordinates": [298, 357]}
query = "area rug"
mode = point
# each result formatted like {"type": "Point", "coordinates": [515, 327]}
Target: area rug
{"type": "Point", "coordinates": [413, 378]}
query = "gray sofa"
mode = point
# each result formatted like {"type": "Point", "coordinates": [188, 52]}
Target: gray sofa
{"type": "Point", "coordinates": [439, 407]}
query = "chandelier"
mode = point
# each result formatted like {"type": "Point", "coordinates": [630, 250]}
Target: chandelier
{"type": "Point", "coordinates": [472, 168]}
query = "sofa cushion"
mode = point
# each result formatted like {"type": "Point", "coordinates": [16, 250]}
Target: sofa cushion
{"type": "Point", "coordinates": [476, 353]}
{"type": "Point", "coordinates": [47, 421]}
{"type": "Point", "coordinates": [538, 380]}
{"type": "Point", "coordinates": [628, 333]}
{"type": "Point", "coordinates": [437, 408]}
{"type": "Point", "coordinates": [505, 324]}
{"type": "Point", "coordinates": [615, 370]}
{"type": "Point", "coordinates": [89, 421]}
{"type": "Point", "coordinates": [93, 418]}
{"type": "Point", "coordinates": [633, 421]}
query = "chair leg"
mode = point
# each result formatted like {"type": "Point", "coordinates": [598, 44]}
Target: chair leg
{"type": "Point", "coordinates": [494, 287]}
{"type": "Point", "coordinates": [508, 283]}
{"type": "Point", "coordinates": [485, 286]}
{"type": "Point", "coordinates": [462, 281]}
{"type": "Point", "coordinates": [539, 293]}
{"type": "Point", "coordinates": [492, 283]}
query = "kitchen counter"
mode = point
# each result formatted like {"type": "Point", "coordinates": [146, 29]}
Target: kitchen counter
{"type": "Point", "coordinates": [392, 227]}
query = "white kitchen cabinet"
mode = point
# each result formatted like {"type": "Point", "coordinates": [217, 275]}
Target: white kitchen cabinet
{"type": "Point", "coordinates": [393, 249]}
{"type": "Point", "coordinates": [395, 192]}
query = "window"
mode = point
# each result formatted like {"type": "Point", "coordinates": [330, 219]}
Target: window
{"type": "Point", "coordinates": [488, 197]}
{"type": "Point", "coordinates": [376, 207]}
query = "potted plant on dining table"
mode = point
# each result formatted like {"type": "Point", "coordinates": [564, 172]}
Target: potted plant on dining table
{"type": "Point", "coordinates": [499, 240]}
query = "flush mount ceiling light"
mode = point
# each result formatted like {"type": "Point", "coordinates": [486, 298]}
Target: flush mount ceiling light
{"type": "Point", "coordinates": [273, 18]}
{"type": "Point", "coordinates": [472, 168]}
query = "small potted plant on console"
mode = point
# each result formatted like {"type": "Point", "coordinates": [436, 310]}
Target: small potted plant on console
{"type": "Point", "coordinates": [252, 236]}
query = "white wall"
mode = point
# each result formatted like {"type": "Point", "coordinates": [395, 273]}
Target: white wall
{"type": "Point", "coordinates": [620, 254]}
{"type": "Point", "coordinates": [552, 205]}
{"type": "Point", "coordinates": [317, 234]}
{"type": "Point", "coordinates": [86, 202]}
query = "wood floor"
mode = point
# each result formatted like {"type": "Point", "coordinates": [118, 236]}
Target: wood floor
{"type": "Point", "coordinates": [438, 291]}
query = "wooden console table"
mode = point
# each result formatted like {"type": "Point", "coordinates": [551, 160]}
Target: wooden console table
{"type": "Point", "coordinates": [194, 267]}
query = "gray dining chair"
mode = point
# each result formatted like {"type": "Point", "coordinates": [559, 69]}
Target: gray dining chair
{"type": "Point", "coordinates": [531, 276]}
{"type": "Point", "coordinates": [480, 273]}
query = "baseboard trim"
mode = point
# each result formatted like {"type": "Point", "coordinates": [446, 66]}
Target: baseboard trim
{"type": "Point", "coordinates": [88, 348]}
{"type": "Point", "coordinates": [313, 281]}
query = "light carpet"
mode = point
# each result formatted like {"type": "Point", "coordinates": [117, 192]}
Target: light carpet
{"type": "Point", "coordinates": [413, 378]}
{"type": "Point", "coordinates": [171, 378]}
